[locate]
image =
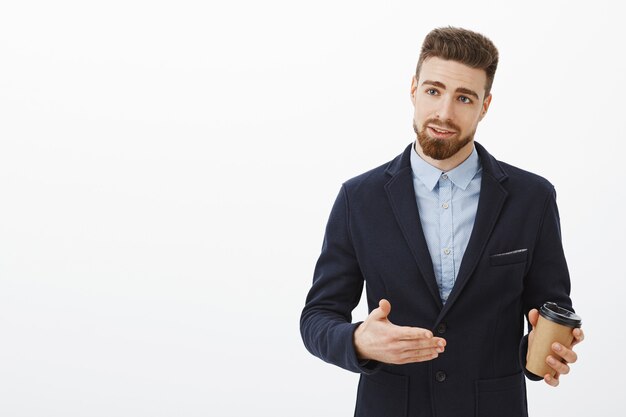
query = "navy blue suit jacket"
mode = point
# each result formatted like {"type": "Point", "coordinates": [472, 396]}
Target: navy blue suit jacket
{"type": "Point", "coordinates": [514, 262]}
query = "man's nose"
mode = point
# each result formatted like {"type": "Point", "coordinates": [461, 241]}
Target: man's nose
{"type": "Point", "coordinates": [446, 109]}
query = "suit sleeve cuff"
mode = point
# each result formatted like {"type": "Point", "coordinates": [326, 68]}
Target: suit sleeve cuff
{"type": "Point", "coordinates": [523, 349]}
{"type": "Point", "coordinates": [364, 366]}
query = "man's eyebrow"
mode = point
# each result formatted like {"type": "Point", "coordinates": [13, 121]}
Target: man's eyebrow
{"type": "Point", "coordinates": [468, 92]}
{"type": "Point", "coordinates": [458, 90]}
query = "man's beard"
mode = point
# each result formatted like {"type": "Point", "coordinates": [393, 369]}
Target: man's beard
{"type": "Point", "coordinates": [440, 149]}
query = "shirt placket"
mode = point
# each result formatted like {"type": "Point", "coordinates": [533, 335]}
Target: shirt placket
{"type": "Point", "coordinates": [446, 232]}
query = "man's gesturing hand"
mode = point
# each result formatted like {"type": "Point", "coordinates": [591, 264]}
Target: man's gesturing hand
{"type": "Point", "coordinates": [379, 339]}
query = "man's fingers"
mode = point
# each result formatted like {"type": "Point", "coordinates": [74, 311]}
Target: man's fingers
{"type": "Point", "coordinates": [567, 354]}
{"type": "Point", "coordinates": [410, 333]}
{"type": "Point", "coordinates": [418, 356]}
{"type": "Point", "coordinates": [418, 359]}
{"type": "Point", "coordinates": [436, 343]}
{"type": "Point", "coordinates": [557, 365]}
{"type": "Point", "coordinates": [559, 362]}
{"type": "Point", "coordinates": [552, 380]}
{"type": "Point", "coordinates": [579, 336]}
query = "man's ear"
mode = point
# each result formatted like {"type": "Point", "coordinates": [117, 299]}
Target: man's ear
{"type": "Point", "coordinates": [413, 89]}
{"type": "Point", "coordinates": [486, 103]}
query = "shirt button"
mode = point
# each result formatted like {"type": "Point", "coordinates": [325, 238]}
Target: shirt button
{"type": "Point", "coordinates": [440, 376]}
{"type": "Point", "coordinates": [441, 329]}
{"type": "Point", "coordinates": [444, 176]}
{"type": "Point", "coordinates": [444, 205]}
{"type": "Point", "coordinates": [446, 251]}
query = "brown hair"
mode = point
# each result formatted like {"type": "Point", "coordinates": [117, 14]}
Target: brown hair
{"type": "Point", "coordinates": [461, 45]}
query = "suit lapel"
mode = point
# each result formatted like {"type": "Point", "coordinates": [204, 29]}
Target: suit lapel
{"type": "Point", "coordinates": [402, 199]}
{"type": "Point", "coordinates": [490, 203]}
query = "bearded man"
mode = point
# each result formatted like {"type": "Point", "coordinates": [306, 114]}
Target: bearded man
{"type": "Point", "coordinates": [463, 247]}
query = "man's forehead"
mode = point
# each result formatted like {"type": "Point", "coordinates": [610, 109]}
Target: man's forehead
{"type": "Point", "coordinates": [453, 74]}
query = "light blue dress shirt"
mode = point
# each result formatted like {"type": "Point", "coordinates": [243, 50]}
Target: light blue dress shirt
{"type": "Point", "coordinates": [447, 204]}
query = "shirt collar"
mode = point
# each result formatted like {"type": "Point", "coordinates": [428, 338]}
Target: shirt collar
{"type": "Point", "coordinates": [460, 176]}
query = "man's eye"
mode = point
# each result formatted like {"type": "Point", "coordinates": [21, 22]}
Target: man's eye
{"type": "Point", "coordinates": [431, 91]}
{"type": "Point", "coordinates": [465, 100]}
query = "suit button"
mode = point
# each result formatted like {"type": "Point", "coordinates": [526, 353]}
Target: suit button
{"type": "Point", "coordinates": [440, 376]}
{"type": "Point", "coordinates": [441, 329]}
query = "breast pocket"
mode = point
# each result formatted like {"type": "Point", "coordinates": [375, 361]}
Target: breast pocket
{"type": "Point", "coordinates": [507, 258]}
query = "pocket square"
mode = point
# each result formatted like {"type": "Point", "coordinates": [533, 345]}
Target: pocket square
{"type": "Point", "coordinates": [511, 252]}
{"type": "Point", "coordinates": [510, 257]}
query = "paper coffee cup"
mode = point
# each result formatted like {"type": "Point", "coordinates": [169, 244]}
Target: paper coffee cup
{"type": "Point", "coordinates": [555, 324]}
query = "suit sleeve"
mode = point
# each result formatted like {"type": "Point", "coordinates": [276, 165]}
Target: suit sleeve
{"type": "Point", "coordinates": [548, 277]}
{"type": "Point", "coordinates": [325, 323]}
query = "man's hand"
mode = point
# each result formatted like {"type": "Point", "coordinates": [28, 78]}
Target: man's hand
{"type": "Point", "coordinates": [562, 355]}
{"type": "Point", "coordinates": [379, 339]}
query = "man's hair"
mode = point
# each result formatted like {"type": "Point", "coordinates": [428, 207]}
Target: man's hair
{"type": "Point", "coordinates": [461, 45]}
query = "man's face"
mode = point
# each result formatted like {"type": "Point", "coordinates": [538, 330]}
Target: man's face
{"type": "Point", "coordinates": [449, 100]}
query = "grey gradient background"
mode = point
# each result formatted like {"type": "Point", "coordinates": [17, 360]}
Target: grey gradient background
{"type": "Point", "coordinates": [167, 169]}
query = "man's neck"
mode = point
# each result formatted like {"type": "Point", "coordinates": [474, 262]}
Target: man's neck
{"type": "Point", "coordinates": [449, 164]}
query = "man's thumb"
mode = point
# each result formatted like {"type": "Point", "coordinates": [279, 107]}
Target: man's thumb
{"type": "Point", "coordinates": [533, 316]}
{"type": "Point", "coordinates": [383, 310]}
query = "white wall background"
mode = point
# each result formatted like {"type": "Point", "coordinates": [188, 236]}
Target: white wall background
{"type": "Point", "coordinates": [167, 169]}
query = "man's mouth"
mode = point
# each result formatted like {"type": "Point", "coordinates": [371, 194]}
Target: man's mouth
{"type": "Point", "coordinates": [440, 133]}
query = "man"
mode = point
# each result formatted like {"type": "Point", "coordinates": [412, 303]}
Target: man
{"type": "Point", "coordinates": [454, 246]}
